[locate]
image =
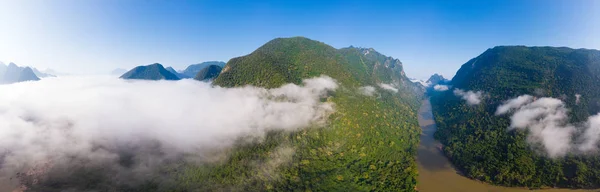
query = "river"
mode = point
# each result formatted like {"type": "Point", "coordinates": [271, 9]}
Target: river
{"type": "Point", "coordinates": [437, 174]}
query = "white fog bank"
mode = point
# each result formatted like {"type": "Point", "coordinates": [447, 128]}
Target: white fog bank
{"type": "Point", "coordinates": [93, 117]}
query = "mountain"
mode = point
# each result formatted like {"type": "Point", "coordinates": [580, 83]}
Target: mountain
{"type": "Point", "coordinates": [13, 74]}
{"type": "Point", "coordinates": [478, 140]}
{"type": "Point", "coordinates": [3, 68]}
{"type": "Point", "coordinates": [208, 73]}
{"type": "Point", "coordinates": [41, 74]}
{"type": "Point", "coordinates": [368, 144]}
{"type": "Point", "coordinates": [150, 72]}
{"type": "Point", "coordinates": [436, 79]}
{"type": "Point", "coordinates": [56, 73]}
{"type": "Point", "coordinates": [192, 70]}
{"type": "Point", "coordinates": [27, 74]}
{"type": "Point", "coordinates": [181, 76]}
{"type": "Point", "coordinates": [118, 71]}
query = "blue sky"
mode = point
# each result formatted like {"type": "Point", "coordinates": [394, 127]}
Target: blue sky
{"type": "Point", "coordinates": [97, 36]}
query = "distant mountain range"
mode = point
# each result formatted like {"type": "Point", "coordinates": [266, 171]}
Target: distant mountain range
{"type": "Point", "coordinates": [180, 75]}
{"type": "Point", "coordinates": [41, 74]}
{"type": "Point", "coordinates": [204, 71]}
{"type": "Point", "coordinates": [52, 72]}
{"type": "Point", "coordinates": [192, 70]}
{"type": "Point", "coordinates": [150, 72]}
{"type": "Point", "coordinates": [209, 73]}
{"type": "Point", "coordinates": [420, 82]}
{"type": "Point", "coordinates": [433, 80]}
{"type": "Point", "coordinates": [436, 79]}
{"type": "Point", "coordinates": [13, 74]}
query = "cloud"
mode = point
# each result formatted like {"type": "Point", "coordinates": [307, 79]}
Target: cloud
{"type": "Point", "coordinates": [591, 135]}
{"type": "Point", "coordinates": [513, 104]}
{"type": "Point", "coordinates": [577, 98]}
{"type": "Point", "coordinates": [546, 120]}
{"type": "Point", "coordinates": [472, 98]}
{"type": "Point", "coordinates": [367, 90]}
{"type": "Point", "coordinates": [440, 87]}
{"type": "Point", "coordinates": [128, 128]}
{"type": "Point", "coordinates": [267, 170]}
{"type": "Point", "coordinates": [388, 87]}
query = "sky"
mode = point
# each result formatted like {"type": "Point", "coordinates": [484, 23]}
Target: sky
{"type": "Point", "coordinates": [97, 36]}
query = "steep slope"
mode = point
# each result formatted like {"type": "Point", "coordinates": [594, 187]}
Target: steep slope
{"type": "Point", "coordinates": [208, 73]}
{"type": "Point", "coordinates": [480, 143]}
{"type": "Point", "coordinates": [369, 143]}
{"type": "Point", "coordinates": [192, 70]}
{"type": "Point", "coordinates": [150, 72]}
{"type": "Point", "coordinates": [368, 64]}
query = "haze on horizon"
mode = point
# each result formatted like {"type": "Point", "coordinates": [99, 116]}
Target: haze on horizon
{"type": "Point", "coordinates": [97, 36]}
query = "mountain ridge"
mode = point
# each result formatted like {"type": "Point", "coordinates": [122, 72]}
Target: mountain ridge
{"type": "Point", "coordinates": [150, 72]}
{"type": "Point", "coordinates": [192, 70]}
{"type": "Point", "coordinates": [208, 73]}
{"type": "Point", "coordinates": [14, 74]}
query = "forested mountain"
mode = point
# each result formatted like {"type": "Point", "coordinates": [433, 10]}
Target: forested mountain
{"type": "Point", "coordinates": [480, 143]}
{"type": "Point", "coordinates": [209, 73]}
{"type": "Point", "coordinates": [150, 72]}
{"type": "Point", "coordinates": [13, 74]}
{"type": "Point", "coordinates": [192, 70]}
{"type": "Point", "coordinates": [369, 143]}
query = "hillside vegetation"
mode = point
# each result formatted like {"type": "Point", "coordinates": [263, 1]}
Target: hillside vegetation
{"type": "Point", "coordinates": [478, 142]}
{"type": "Point", "coordinates": [208, 73]}
{"type": "Point", "coordinates": [192, 70]}
{"type": "Point", "coordinates": [150, 72]}
{"type": "Point", "coordinates": [368, 145]}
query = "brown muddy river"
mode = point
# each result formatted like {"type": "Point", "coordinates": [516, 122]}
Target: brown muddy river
{"type": "Point", "coordinates": [437, 174]}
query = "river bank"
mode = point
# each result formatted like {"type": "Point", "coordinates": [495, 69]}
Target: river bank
{"type": "Point", "coordinates": [436, 173]}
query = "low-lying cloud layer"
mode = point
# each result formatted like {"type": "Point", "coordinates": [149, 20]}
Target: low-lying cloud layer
{"type": "Point", "coordinates": [472, 98]}
{"type": "Point", "coordinates": [64, 123]}
{"type": "Point", "coordinates": [388, 87]}
{"type": "Point", "coordinates": [440, 87]}
{"type": "Point", "coordinates": [546, 120]}
{"type": "Point", "coordinates": [367, 90]}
